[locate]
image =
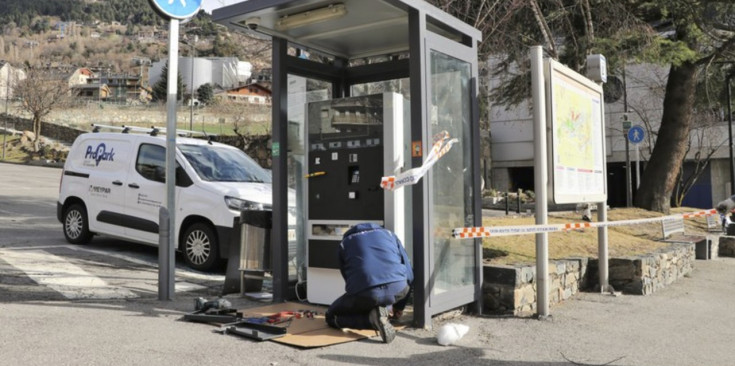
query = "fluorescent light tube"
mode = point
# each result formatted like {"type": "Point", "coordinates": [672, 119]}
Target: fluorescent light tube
{"type": "Point", "coordinates": [333, 11]}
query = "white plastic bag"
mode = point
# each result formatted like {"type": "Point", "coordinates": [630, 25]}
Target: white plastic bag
{"type": "Point", "coordinates": [451, 333]}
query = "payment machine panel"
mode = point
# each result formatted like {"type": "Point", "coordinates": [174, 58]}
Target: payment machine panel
{"type": "Point", "coordinates": [349, 189]}
{"type": "Point", "coordinates": [351, 144]}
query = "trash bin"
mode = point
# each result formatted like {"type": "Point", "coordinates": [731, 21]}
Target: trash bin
{"type": "Point", "coordinates": [255, 248]}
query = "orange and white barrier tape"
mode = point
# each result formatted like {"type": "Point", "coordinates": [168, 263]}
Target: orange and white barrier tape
{"type": "Point", "coordinates": [412, 176]}
{"type": "Point", "coordinates": [488, 231]}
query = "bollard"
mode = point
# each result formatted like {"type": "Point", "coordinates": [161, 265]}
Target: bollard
{"type": "Point", "coordinates": [507, 203]}
{"type": "Point", "coordinates": [519, 201]}
{"type": "Point", "coordinates": [165, 277]}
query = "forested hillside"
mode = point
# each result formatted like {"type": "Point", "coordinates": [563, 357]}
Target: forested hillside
{"type": "Point", "coordinates": [21, 13]}
{"type": "Point", "coordinates": [110, 34]}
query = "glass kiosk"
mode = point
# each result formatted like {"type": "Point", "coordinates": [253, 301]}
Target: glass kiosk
{"type": "Point", "coordinates": [335, 57]}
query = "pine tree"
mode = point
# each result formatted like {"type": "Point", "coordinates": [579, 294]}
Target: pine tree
{"type": "Point", "coordinates": [205, 93]}
{"type": "Point", "coordinates": [160, 89]}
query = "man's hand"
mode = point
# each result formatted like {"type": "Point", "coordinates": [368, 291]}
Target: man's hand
{"type": "Point", "coordinates": [395, 315]}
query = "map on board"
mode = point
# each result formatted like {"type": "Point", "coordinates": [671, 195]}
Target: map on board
{"type": "Point", "coordinates": [574, 121]}
{"type": "Point", "coordinates": [578, 146]}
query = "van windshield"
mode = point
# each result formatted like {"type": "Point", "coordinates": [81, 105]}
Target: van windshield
{"type": "Point", "coordinates": [223, 164]}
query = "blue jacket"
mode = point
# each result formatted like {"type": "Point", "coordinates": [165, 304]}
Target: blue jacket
{"type": "Point", "coordinates": [369, 256]}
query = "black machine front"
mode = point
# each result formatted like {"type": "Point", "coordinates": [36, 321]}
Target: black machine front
{"type": "Point", "coordinates": [346, 159]}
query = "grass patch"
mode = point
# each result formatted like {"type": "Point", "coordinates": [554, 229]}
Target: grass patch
{"type": "Point", "coordinates": [622, 240]}
{"type": "Point", "coordinates": [13, 153]}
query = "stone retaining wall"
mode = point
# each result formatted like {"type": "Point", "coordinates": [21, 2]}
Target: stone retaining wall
{"type": "Point", "coordinates": [512, 289]}
{"type": "Point", "coordinates": [56, 132]}
{"type": "Point", "coordinates": [646, 274]}
{"type": "Point", "coordinates": [256, 146]}
{"type": "Point", "coordinates": [727, 246]}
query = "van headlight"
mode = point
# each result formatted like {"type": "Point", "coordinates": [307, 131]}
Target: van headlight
{"type": "Point", "coordinates": [238, 204]}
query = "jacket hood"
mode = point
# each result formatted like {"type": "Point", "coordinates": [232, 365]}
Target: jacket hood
{"type": "Point", "coordinates": [361, 227]}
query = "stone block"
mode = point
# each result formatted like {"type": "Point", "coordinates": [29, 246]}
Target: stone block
{"type": "Point", "coordinates": [726, 246]}
{"type": "Point", "coordinates": [500, 275]}
{"type": "Point", "coordinates": [527, 274]}
{"type": "Point", "coordinates": [524, 296]}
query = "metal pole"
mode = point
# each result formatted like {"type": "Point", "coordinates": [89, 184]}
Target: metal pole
{"type": "Point", "coordinates": [7, 97]}
{"type": "Point", "coordinates": [191, 90]}
{"type": "Point", "coordinates": [518, 207]}
{"type": "Point", "coordinates": [540, 179]}
{"type": "Point", "coordinates": [628, 180]}
{"type": "Point", "coordinates": [165, 285]}
{"type": "Point", "coordinates": [637, 166]}
{"type": "Point", "coordinates": [602, 238]}
{"type": "Point", "coordinates": [173, 71]}
{"type": "Point", "coordinates": [729, 128]}
{"type": "Point", "coordinates": [602, 247]}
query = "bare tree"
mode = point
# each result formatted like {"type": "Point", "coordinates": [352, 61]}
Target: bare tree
{"type": "Point", "coordinates": [39, 94]}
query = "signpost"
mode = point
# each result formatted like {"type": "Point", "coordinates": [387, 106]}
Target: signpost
{"type": "Point", "coordinates": [173, 11]}
{"type": "Point", "coordinates": [635, 136]}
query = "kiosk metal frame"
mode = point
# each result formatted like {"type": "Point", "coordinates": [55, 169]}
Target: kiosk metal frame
{"type": "Point", "coordinates": [437, 54]}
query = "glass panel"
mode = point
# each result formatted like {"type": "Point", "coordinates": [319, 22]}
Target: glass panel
{"type": "Point", "coordinates": [400, 86]}
{"type": "Point", "coordinates": [451, 177]}
{"type": "Point", "coordinates": [300, 92]}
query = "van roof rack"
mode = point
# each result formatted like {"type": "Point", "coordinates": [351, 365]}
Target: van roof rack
{"type": "Point", "coordinates": [153, 130]}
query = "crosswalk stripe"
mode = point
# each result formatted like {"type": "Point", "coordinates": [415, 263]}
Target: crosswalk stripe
{"type": "Point", "coordinates": [62, 276]}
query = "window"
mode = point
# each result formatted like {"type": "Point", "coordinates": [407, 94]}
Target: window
{"type": "Point", "coordinates": [151, 163]}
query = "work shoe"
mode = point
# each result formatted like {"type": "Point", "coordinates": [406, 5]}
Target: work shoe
{"type": "Point", "coordinates": [379, 320]}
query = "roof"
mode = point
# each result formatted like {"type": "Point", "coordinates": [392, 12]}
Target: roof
{"type": "Point", "coordinates": [346, 28]}
{"type": "Point", "coordinates": [248, 86]}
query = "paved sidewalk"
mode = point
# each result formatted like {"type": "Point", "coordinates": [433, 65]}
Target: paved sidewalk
{"type": "Point", "coordinates": [688, 323]}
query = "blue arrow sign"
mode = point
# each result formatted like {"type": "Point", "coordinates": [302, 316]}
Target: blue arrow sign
{"type": "Point", "coordinates": [176, 9]}
{"type": "Point", "coordinates": [636, 134]}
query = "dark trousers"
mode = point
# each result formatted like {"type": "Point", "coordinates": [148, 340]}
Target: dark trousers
{"type": "Point", "coordinates": [352, 311]}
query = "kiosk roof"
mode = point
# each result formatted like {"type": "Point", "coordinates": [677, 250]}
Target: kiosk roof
{"type": "Point", "coordinates": [348, 29]}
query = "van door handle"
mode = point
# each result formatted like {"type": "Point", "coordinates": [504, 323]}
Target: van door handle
{"type": "Point", "coordinates": [133, 185]}
{"type": "Point", "coordinates": [117, 183]}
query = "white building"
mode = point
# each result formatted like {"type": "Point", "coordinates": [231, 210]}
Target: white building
{"type": "Point", "coordinates": [9, 76]}
{"type": "Point", "coordinates": [223, 72]}
{"type": "Point", "coordinates": [512, 144]}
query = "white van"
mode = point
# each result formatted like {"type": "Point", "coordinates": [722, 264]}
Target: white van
{"type": "Point", "coordinates": [114, 184]}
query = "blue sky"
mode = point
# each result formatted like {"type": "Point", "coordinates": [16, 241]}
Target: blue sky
{"type": "Point", "coordinates": [208, 5]}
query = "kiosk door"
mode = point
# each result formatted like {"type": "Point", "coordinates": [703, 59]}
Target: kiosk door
{"type": "Point", "coordinates": [453, 264]}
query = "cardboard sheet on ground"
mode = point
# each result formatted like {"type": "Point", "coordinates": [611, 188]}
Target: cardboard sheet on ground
{"type": "Point", "coordinates": [309, 332]}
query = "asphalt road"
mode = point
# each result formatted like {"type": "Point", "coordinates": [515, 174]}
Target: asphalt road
{"type": "Point", "coordinates": [33, 250]}
{"type": "Point", "coordinates": [689, 323]}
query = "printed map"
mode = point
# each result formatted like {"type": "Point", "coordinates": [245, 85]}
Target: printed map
{"type": "Point", "coordinates": [574, 123]}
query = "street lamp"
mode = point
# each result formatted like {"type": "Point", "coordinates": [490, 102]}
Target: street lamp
{"type": "Point", "coordinates": [729, 129]}
{"type": "Point", "coordinates": [191, 80]}
{"type": "Point", "coordinates": [7, 100]}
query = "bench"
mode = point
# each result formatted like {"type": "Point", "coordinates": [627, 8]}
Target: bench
{"type": "Point", "coordinates": [702, 244]}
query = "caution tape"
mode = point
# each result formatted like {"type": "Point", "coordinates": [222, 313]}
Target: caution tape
{"type": "Point", "coordinates": [412, 176]}
{"type": "Point", "coordinates": [488, 231]}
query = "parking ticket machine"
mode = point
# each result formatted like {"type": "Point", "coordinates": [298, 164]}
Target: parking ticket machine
{"type": "Point", "coordinates": [351, 144]}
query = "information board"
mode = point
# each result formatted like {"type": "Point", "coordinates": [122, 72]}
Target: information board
{"type": "Point", "coordinates": [577, 127]}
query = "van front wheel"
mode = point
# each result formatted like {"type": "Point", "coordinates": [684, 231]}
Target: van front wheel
{"type": "Point", "coordinates": [201, 251]}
